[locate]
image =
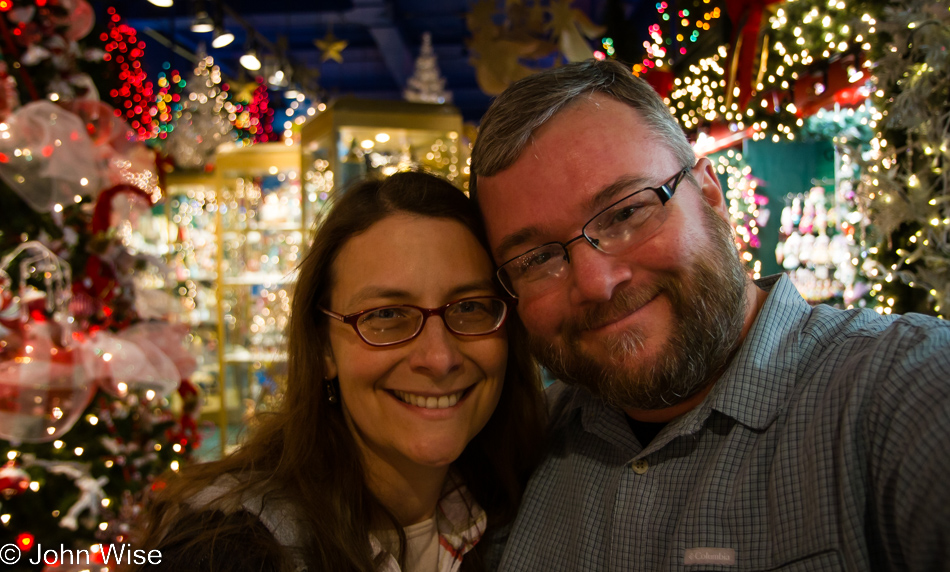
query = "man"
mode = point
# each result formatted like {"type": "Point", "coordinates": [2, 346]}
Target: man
{"type": "Point", "coordinates": [705, 421]}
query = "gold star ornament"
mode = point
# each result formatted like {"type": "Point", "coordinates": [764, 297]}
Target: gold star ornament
{"type": "Point", "coordinates": [330, 47]}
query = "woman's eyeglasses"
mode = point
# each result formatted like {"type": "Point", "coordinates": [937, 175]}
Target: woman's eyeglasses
{"type": "Point", "coordinates": [389, 325]}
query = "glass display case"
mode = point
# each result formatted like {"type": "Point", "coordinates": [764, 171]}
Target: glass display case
{"type": "Point", "coordinates": [356, 137]}
{"type": "Point", "coordinates": [191, 214]}
{"type": "Point", "coordinates": [236, 235]}
{"type": "Point", "coordinates": [262, 220]}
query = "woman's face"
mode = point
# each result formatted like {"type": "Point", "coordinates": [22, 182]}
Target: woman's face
{"type": "Point", "coordinates": [425, 262]}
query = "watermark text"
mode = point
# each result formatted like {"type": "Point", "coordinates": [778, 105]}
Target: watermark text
{"type": "Point", "coordinates": [11, 554]}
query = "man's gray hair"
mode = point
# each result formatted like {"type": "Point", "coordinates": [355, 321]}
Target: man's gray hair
{"type": "Point", "coordinates": [529, 103]}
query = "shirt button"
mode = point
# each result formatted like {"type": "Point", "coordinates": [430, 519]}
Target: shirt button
{"type": "Point", "coordinates": [640, 466]}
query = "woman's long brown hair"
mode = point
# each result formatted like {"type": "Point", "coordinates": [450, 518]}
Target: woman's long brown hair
{"type": "Point", "coordinates": [303, 453]}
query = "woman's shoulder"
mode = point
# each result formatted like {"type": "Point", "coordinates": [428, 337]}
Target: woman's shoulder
{"type": "Point", "coordinates": [231, 524]}
{"type": "Point", "coordinates": [206, 539]}
{"type": "Point", "coordinates": [231, 493]}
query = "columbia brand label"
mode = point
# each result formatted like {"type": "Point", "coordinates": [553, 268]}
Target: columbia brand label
{"type": "Point", "coordinates": [722, 556]}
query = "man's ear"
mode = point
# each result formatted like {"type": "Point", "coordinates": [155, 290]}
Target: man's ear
{"type": "Point", "coordinates": [711, 188]}
{"type": "Point", "coordinates": [329, 363]}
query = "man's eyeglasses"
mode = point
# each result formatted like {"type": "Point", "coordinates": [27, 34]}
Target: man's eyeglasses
{"type": "Point", "coordinates": [389, 325]}
{"type": "Point", "coordinates": [613, 230]}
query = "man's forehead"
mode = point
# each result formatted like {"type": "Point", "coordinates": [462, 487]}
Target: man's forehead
{"type": "Point", "coordinates": [572, 166]}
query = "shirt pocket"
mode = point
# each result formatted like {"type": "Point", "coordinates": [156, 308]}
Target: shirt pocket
{"type": "Point", "coordinates": [827, 561]}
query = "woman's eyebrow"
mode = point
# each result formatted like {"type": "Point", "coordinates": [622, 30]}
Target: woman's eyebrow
{"type": "Point", "coordinates": [473, 286]}
{"type": "Point", "coordinates": [372, 291]}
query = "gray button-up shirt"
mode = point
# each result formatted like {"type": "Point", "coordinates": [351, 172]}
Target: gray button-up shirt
{"type": "Point", "coordinates": [824, 446]}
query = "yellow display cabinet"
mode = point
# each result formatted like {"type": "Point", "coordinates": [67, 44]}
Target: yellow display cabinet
{"type": "Point", "coordinates": [262, 218]}
{"type": "Point", "coordinates": [237, 235]}
{"type": "Point", "coordinates": [357, 137]}
{"type": "Point", "coordinates": [191, 214]}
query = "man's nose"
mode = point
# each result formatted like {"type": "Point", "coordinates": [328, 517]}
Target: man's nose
{"type": "Point", "coordinates": [595, 275]}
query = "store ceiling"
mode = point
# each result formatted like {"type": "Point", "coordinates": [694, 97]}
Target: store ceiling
{"type": "Point", "coordinates": [383, 39]}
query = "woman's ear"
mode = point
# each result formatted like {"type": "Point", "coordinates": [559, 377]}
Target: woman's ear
{"type": "Point", "coordinates": [329, 363]}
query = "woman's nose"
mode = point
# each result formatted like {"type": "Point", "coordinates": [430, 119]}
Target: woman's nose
{"type": "Point", "coordinates": [435, 350]}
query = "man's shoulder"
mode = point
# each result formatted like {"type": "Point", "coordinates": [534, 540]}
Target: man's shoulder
{"type": "Point", "coordinates": [864, 346]}
{"type": "Point", "coordinates": [828, 324]}
{"type": "Point", "coordinates": [884, 373]}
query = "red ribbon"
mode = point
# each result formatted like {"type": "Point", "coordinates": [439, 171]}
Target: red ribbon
{"type": "Point", "coordinates": [746, 17]}
{"type": "Point", "coordinates": [103, 210]}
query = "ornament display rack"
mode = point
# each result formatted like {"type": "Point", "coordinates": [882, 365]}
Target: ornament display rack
{"type": "Point", "coordinates": [356, 137]}
{"type": "Point", "coordinates": [238, 234]}
{"type": "Point", "coordinates": [818, 242]}
{"type": "Point", "coordinates": [190, 210]}
{"type": "Point", "coordinates": [262, 222]}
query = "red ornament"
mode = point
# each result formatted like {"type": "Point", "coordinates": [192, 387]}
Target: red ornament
{"type": "Point", "coordinates": [13, 480]}
{"type": "Point", "coordinates": [11, 317]}
{"type": "Point", "coordinates": [25, 541]}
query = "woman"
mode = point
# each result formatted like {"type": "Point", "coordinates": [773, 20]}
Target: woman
{"type": "Point", "coordinates": [412, 414]}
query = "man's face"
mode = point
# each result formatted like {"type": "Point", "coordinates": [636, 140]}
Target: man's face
{"type": "Point", "coordinates": [647, 327]}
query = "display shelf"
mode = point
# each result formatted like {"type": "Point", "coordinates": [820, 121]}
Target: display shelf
{"type": "Point", "coordinates": [190, 207]}
{"type": "Point", "coordinates": [353, 138]}
{"type": "Point", "coordinates": [237, 235]}
{"type": "Point", "coordinates": [260, 242]}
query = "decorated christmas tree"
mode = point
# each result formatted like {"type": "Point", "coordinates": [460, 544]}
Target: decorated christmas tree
{"type": "Point", "coordinates": [87, 361]}
{"type": "Point", "coordinates": [906, 182]}
{"type": "Point", "coordinates": [202, 124]}
{"type": "Point", "coordinates": [426, 85]}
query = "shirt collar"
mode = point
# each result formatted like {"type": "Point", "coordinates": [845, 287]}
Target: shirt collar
{"type": "Point", "coordinates": [756, 385]}
{"type": "Point", "coordinates": [763, 372]}
{"type": "Point", "coordinates": [461, 522]}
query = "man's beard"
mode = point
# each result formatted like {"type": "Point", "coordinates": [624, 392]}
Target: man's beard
{"type": "Point", "coordinates": [708, 304]}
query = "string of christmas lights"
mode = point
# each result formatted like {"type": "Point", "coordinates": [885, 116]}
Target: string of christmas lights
{"type": "Point", "coordinates": [675, 34]}
{"type": "Point", "coordinates": [134, 99]}
{"type": "Point", "coordinates": [905, 183]}
{"type": "Point", "coordinates": [810, 56]}
{"type": "Point", "coordinates": [747, 207]}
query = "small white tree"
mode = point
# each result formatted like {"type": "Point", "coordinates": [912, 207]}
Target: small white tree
{"type": "Point", "coordinates": [426, 85]}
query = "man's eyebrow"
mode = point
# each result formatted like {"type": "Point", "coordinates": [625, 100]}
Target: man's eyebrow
{"type": "Point", "coordinates": [514, 240]}
{"type": "Point", "coordinates": [625, 183]}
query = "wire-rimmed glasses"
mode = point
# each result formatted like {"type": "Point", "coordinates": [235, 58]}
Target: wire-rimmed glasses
{"type": "Point", "coordinates": [398, 323]}
{"type": "Point", "coordinates": [613, 230]}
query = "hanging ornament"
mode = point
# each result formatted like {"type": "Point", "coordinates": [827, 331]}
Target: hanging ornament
{"type": "Point", "coordinates": [331, 47]}
{"type": "Point", "coordinates": [9, 96]}
{"type": "Point", "coordinates": [426, 84]}
{"type": "Point", "coordinates": [14, 481]}
{"type": "Point", "coordinates": [123, 363]}
{"type": "Point", "coordinates": [90, 490]}
{"type": "Point", "coordinates": [46, 156]}
{"type": "Point", "coordinates": [571, 27]}
{"type": "Point", "coordinates": [203, 124]}
{"type": "Point", "coordinates": [11, 316]}
{"type": "Point", "coordinates": [81, 20]}
{"type": "Point", "coordinates": [43, 386]}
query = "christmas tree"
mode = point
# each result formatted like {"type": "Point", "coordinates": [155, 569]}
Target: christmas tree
{"type": "Point", "coordinates": [87, 362]}
{"type": "Point", "coordinates": [906, 183]}
{"type": "Point", "coordinates": [202, 125]}
{"type": "Point", "coordinates": [426, 85]}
